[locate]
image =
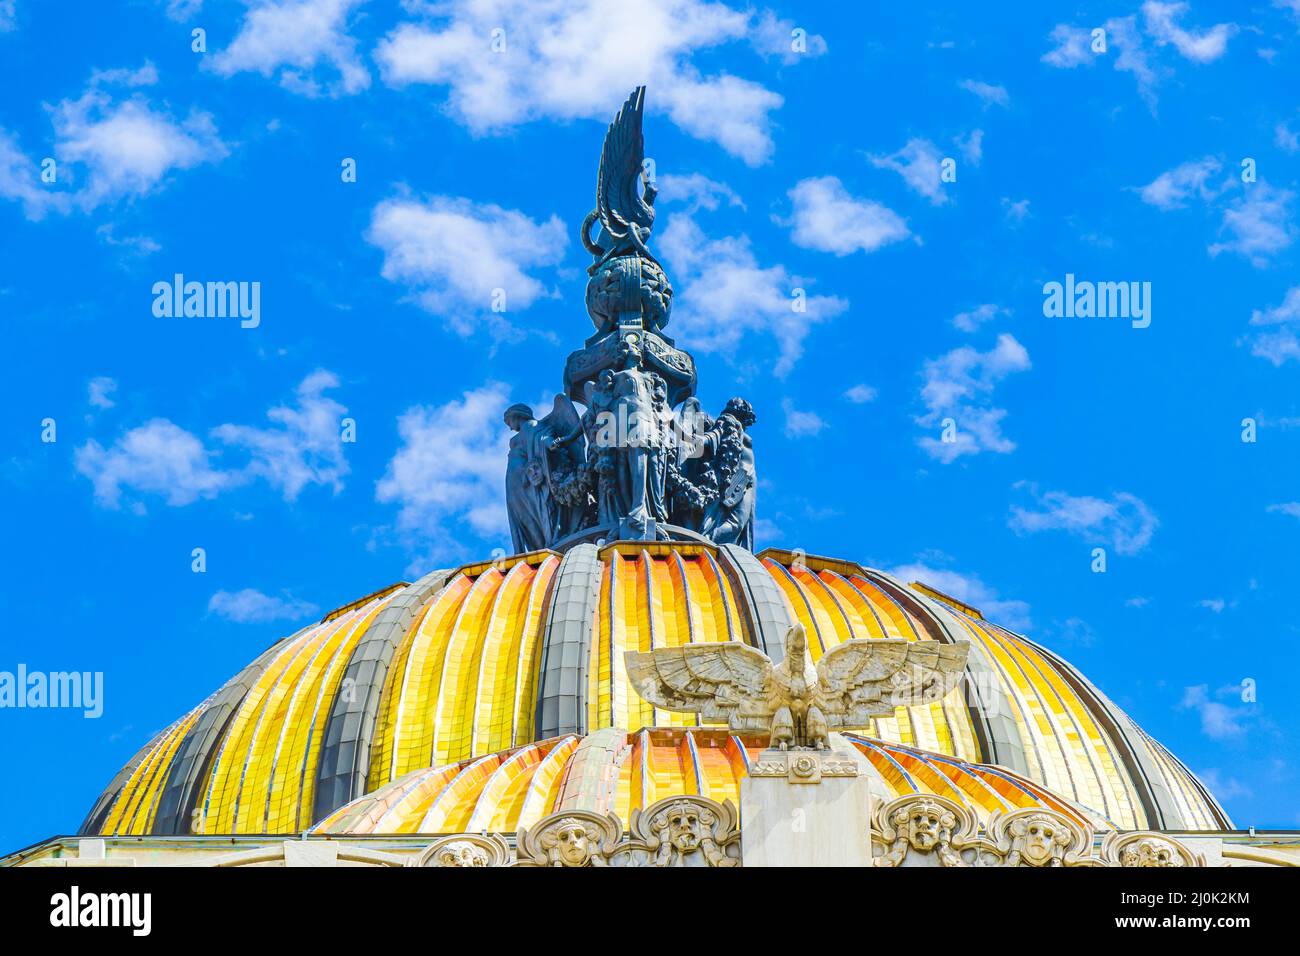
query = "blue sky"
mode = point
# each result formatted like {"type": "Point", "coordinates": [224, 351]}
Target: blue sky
{"type": "Point", "coordinates": [779, 169]}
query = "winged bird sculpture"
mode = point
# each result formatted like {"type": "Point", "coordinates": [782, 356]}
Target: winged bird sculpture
{"type": "Point", "coordinates": [799, 704]}
{"type": "Point", "coordinates": [626, 213]}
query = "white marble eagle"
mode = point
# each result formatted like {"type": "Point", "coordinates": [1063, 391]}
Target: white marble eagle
{"type": "Point", "coordinates": [799, 704]}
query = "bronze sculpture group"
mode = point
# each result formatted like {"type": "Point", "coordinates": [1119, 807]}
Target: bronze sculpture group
{"type": "Point", "coordinates": [643, 461]}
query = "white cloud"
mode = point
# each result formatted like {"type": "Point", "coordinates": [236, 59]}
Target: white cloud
{"type": "Point", "coordinates": [861, 394]}
{"type": "Point", "coordinates": [537, 73]}
{"type": "Point", "coordinates": [98, 391]}
{"type": "Point", "coordinates": [1171, 189]}
{"type": "Point", "coordinates": [251, 606]}
{"type": "Point", "coordinates": [1257, 225]}
{"type": "Point", "coordinates": [1015, 210]}
{"type": "Point", "coordinates": [1124, 522]}
{"type": "Point", "coordinates": [971, 590]}
{"type": "Point", "coordinates": [160, 458]}
{"type": "Point", "coordinates": [1290, 508]}
{"type": "Point", "coordinates": [454, 254]}
{"type": "Point", "coordinates": [971, 320]}
{"type": "Point", "coordinates": [20, 180]}
{"type": "Point", "coordinates": [724, 295]}
{"type": "Point", "coordinates": [110, 149]}
{"type": "Point", "coordinates": [450, 468]}
{"type": "Point", "coordinates": [8, 15]}
{"type": "Point", "coordinates": [799, 423]}
{"type": "Point", "coordinates": [1279, 342]}
{"type": "Point", "coordinates": [181, 10]}
{"type": "Point", "coordinates": [773, 36]}
{"type": "Point", "coordinates": [129, 245]}
{"type": "Point", "coordinates": [971, 146]}
{"type": "Point", "coordinates": [1287, 139]}
{"type": "Point", "coordinates": [304, 445]}
{"type": "Point", "coordinates": [827, 218]}
{"type": "Point", "coordinates": [1213, 604]}
{"type": "Point", "coordinates": [987, 92]}
{"type": "Point", "coordinates": [1073, 47]}
{"type": "Point", "coordinates": [1123, 35]}
{"type": "Point", "coordinates": [918, 163]}
{"type": "Point", "coordinates": [1125, 48]}
{"type": "Point", "coordinates": [128, 148]}
{"type": "Point", "coordinates": [959, 385]}
{"type": "Point", "coordinates": [295, 38]}
{"type": "Point", "coordinates": [696, 191]}
{"type": "Point", "coordinates": [1218, 721]}
{"type": "Point", "coordinates": [1162, 25]}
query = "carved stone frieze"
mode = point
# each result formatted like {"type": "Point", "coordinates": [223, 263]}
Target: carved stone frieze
{"type": "Point", "coordinates": [569, 838]}
{"type": "Point", "coordinates": [1146, 848]}
{"type": "Point", "coordinates": [1036, 837]}
{"type": "Point", "coordinates": [465, 850]}
{"type": "Point", "coordinates": [924, 830]}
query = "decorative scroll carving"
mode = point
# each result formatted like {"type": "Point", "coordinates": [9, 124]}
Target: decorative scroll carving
{"type": "Point", "coordinates": [924, 830]}
{"type": "Point", "coordinates": [569, 838]}
{"type": "Point", "coordinates": [465, 850]}
{"type": "Point", "coordinates": [795, 702]}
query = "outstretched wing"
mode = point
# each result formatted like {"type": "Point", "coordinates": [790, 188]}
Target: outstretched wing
{"type": "Point", "coordinates": [866, 678]}
{"type": "Point", "coordinates": [618, 196]}
{"type": "Point", "coordinates": [562, 420]}
{"type": "Point", "coordinates": [727, 681]}
{"type": "Point", "coordinates": [564, 417]}
{"type": "Point", "coordinates": [932, 670]}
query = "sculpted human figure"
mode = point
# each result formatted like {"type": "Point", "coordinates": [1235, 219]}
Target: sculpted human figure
{"type": "Point", "coordinates": [631, 437]}
{"type": "Point", "coordinates": [1150, 853]}
{"type": "Point", "coordinates": [692, 483]}
{"type": "Point", "coordinates": [1038, 840]}
{"type": "Point", "coordinates": [924, 826]}
{"type": "Point", "coordinates": [528, 500]}
{"type": "Point", "coordinates": [684, 830]}
{"type": "Point", "coordinates": [663, 448]}
{"type": "Point", "coordinates": [569, 838]}
{"type": "Point", "coordinates": [730, 519]}
{"type": "Point", "coordinates": [464, 850]}
{"type": "Point", "coordinates": [1148, 849]}
{"type": "Point", "coordinates": [462, 855]}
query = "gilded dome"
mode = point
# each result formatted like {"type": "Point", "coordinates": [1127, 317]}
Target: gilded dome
{"type": "Point", "coordinates": [490, 695]}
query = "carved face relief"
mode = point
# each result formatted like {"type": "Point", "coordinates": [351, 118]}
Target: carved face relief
{"type": "Point", "coordinates": [1040, 839]}
{"type": "Point", "coordinates": [462, 854]}
{"type": "Point", "coordinates": [924, 826]}
{"type": "Point", "coordinates": [684, 827]}
{"type": "Point", "coordinates": [1150, 853]}
{"type": "Point", "coordinates": [573, 843]}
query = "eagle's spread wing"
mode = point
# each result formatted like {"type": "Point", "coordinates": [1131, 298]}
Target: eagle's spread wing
{"type": "Point", "coordinates": [932, 670]}
{"type": "Point", "coordinates": [866, 678]}
{"type": "Point", "coordinates": [727, 681]}
{"type": "Point", "coordinates": [618, 196]}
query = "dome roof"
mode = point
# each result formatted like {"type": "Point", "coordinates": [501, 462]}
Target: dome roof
{"type": "Point", "coordinates": [493, 693]}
